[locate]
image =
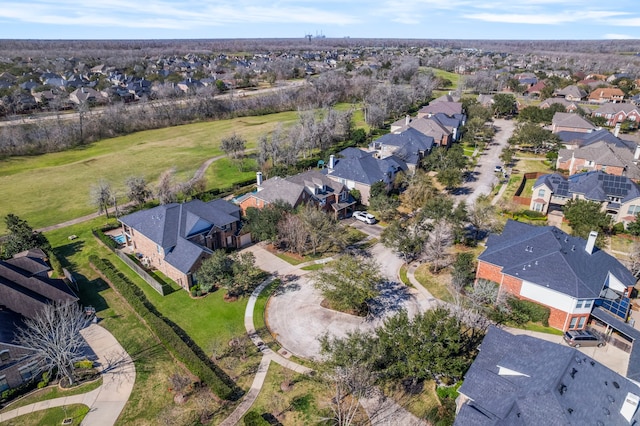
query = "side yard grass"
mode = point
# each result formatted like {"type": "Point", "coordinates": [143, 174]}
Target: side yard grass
{"type": "Point", "coordinates": [435, 284]}
{"type": "Point", "coordinates": [52, 416]}
{"type": "Point", "coordinates": [151, 399]}
{"type": "Point", "coordinates": [52, 392]}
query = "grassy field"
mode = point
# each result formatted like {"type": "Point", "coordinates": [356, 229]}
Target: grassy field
{"type": "Point", "coordinates": [435, 284]}
{"type": "Point", "coordinates": [150, 401]}
{"type": "Point", "coordinates": [52, 416]}
{"type": "Point", "coordinates": [52, 392]}
{"type": "Point", "coordinates": [453, 77]}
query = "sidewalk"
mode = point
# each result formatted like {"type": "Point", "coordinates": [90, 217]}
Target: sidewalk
{"type": "Point", "coordinates": [106, 402]}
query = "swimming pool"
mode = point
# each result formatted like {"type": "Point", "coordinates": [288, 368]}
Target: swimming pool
{"type": "Point", "coordinates": [120, 239]}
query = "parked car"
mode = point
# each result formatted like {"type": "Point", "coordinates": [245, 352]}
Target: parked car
{"type": "Point", "coordinates": [365, 217]}
{"type": "Point", "coordinates": [497, 169]}
{"type": "Point", "coordinates": [580, 338]}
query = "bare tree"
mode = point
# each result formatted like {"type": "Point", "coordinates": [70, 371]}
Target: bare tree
{"type": "Point", "coordinates": [350, 383]}
{"type": "Point", "coordinates": [167, 191]}
{"type": "Point", "coordinates": [137, 189]}
{"type": "Point", "coordinates": [292, 233]}
{"type": "Point", "coordinates": [482, 215]}
{"type": "Point", "coordinates": [234, 147]}
{"type": "Point", "coordinates": [102, 196]}
{"type": "Point", "coordinates": [633, 262]}
{"type": "Point", "coordinates": [437, 244]}
{"type": "Point", "coordinates": [54, 333]}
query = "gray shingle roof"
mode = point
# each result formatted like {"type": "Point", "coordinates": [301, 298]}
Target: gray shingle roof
{"type": "Point", "coordinates": [556, 385]}
{"type": "Point", "coordinates": [568, 119]}
{"type": "Point", "coordinates": [363, 167]}
{"type": "Point", "coordinates": [595, 186]}
{"type": "Point", "coordinates": [170, 225]}
{"type": "Point", "coordinates": [551, 258]}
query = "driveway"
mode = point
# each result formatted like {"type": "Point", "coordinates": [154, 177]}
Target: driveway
{"type": "Point", "coordinates": [483, 178]}
{"type": "Point", "coordinates": [297, 320]}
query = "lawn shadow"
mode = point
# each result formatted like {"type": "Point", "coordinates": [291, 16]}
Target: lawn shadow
{"type": "Point", "coordinates": [65, 252]}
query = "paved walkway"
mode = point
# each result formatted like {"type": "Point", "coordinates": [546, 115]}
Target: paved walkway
{"type": "Point", "coordinates": [106, 402]}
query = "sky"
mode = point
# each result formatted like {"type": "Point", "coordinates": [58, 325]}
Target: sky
{"type": "Point", "coordinates": [421, 19]}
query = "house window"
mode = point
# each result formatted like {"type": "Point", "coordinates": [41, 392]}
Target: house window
{"type": "Point", "coordinates": [589, 163]}
{"type": "Point", "coordinates": [581, 322]}
{"type": "Point", "coordinates": [579, 304]}
{"type": "Point", "coordinates": [573, 323]}
{"type": "Point", "coordinates": [541, 193]}
{"type": "Point", "coordinates": [4, 355]}
{"type": "Point", "coordinates": [28, 371]}
{"type": "Point", "coordinates": [588, 303]}
{"type": "Point", "coordinates": [537, 207]}
{"type": "Point", "coordinates": [633, 210]}
{"type": "Point", "coordinates": [4, 385]}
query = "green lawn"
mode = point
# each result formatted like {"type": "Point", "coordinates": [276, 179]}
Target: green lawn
{"type": "Point", "coordinates": [52, 392]}
{"type": "Point", "coordinates": [534, 326]}
{"type": "Point", "coordinates": [53, 188]}
{"type": "Point", "coordinates": [453, 77]}
{"type": "Point", "coordinates": [150, 398]}
{"type": "Point", "coordinates": [432, 283]}
{"type": "Point", "coordinates": [52, 416]}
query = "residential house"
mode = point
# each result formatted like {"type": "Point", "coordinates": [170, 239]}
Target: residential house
{"type": "Point", "coordinates": [618, 113]}
{"type": "Point", "coordinates": [87, 95]}
{"type": "Point", "coordinates": [601, 95]}
{"type": "Point", "coordinates": [599, 150]}
{"type": "Point", "coordinates": [486, 100]}
{"type": "Point", "coordinates": [25, 289]}
{"type": "Point", "coordinates": [309, 187]}
{"type": "Point", "coordinates": [618, 195]}
{"type": "Point", "coordinates": [175, 238]}
{"type": "Point", "coordinates": [526, 381]}
{"type": "Point", "coordinates": [569, 122]}
{"type": "Point", "coordinates": [409, 145]}
{"type": "Point", "coordinates": [536, 90]}
{"type": "Point", "coordinates": [567, 274]}
{"type": "Point", "coordinates": [428, 126]}
{"type": "Point", "coordinates": [449, 108]}
{"type": "Point", "coordinates": [358, 169]}
{"type": "Point", "coordinates": [571, 93]}
{"type": "Point", "coordinates": [569, 106]}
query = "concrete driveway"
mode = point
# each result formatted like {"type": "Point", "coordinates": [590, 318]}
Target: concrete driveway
{"type": "Point", "coordinates": [297, 320]}
{"type": "Point", "coordinates": [483, 178]}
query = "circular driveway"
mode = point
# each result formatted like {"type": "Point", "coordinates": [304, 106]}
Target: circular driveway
{"type": "Point", "coordinates": [297, 320]}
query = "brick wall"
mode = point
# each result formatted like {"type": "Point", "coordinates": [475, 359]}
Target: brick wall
{"type": "Point", "coordinates": [558, 318]}
{"type": "Point", "coordinates": [149, 249]}
{"type": "Point", "coordinates": [487, 271]}
{"type": "Point", "coordinates": [511, 285]}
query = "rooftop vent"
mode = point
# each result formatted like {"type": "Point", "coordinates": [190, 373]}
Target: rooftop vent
{"type": "Point", "coordinates": [616, 385]}
{"type": "Point", "coordinates": [573, 373]}
{"type": "Point", "coordinates": [630, 406]}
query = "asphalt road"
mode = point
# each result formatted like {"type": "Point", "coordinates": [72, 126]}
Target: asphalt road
{"type": "Point", "coordinates": [483, 178]}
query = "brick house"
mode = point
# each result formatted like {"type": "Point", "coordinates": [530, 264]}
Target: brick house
{"type": "Point", "coordinates": [175, 238]}
{"type": "Point", "coordinates": [525, 381]}
{"type": "Point", "coordinates": [25, 289]}
{"type": "Point", "coordinates": [358, 169]}
{"type": "Point", "coordinates": [568, 275]}
{"type": "Point", "coordinates": [618, 195]}
{"type": "Point", "coordinates": [601, 95]}
{"type": "Point", "coordinates": [616, 113]}
{"type": "Point", "coordinates": [410, 145]}
{"type": "Point", "coordinates": [570, 122]}
{"type": "Point", "coordinates": [599, 150]}
{"type": "Point", "coordinates": [309, 187]}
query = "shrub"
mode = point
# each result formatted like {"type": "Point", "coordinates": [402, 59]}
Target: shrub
{"type": "Point", "coordinates": [106, 240]}
{"type": "Point", "coordinates": [46, 376]}
{"type": "Point", "coordinates": [252, 418]}
{"type": "Point", "coordinates": [529, 311]}
{"type": "Point", "coordinates": [618, 228]}
{"type": "Point", "coordinates": [533, 215]}
{"type": "Point", "coordinates": [170, 335]}
{"type": "Point", "coordinates": [84, 364]}
{"type": "Point", "coordinates": [302, 403]}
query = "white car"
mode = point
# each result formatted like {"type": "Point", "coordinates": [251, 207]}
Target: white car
{"type": "Point", "coordinates": [365, 217]}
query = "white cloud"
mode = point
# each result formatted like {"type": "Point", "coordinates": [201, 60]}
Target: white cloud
{"type": "Point", "coordinates": [542, 19]}
{"type": "Point", "coordinates": [618, 37]}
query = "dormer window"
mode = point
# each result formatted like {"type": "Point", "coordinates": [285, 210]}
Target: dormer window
{"type": "Point", "coordinates": [4, 355]}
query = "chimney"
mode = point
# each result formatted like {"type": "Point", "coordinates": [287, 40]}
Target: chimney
{"type": "Point", "coordinates": [407, 120]}
{"type": "Point", "coordinates": [332, 161]}
{"type": "Point", "coordinates": [616, 131]}
{"type": "Point", "coordinates": [636, 154]}
{"type": "Point", "coordinates": [259, 178]}
{"type": "Point", "coordinates": [591, 242]}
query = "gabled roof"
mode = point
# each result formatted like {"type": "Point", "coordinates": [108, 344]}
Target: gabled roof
{"type": "Point", "coordinates": [25, 293]}
{"type": "Point", "coordinates": [430, 126]}
{"type": "Point", "coordinates": [411, 143]}
{"type": "Point", "coordinates": [170, 225]}
{"type": "Point", "coordinates": [594, 186]}
{"type": "Point", "coordinates": [548, 383]}
{"type": "Point", "coordinates": [360, 166]}
{"type": "Point", "coordinates": [445, 107]}
{"type": "Point", "coordinates": [278, 188]}
{"type": "Point", "coordinates": [549, 257]}
{"type": "Point", "coordinates": [606, 152]}
{"type": "Point", "coordinates": [573, 91]}
{"type": "Point", "coordinates": [610, 108]}
{"type": "Point", "coordinates": [606, 93]}
{"type": "Point", "coordinates": [568, 119]}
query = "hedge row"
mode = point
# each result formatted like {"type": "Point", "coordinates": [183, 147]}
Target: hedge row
{"type": "Point", "coordinates": [530, 311]}
{"type": "Point", "coordinates": [106, 240]}
{"type": "Point", "coordinates": [171, 336]}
